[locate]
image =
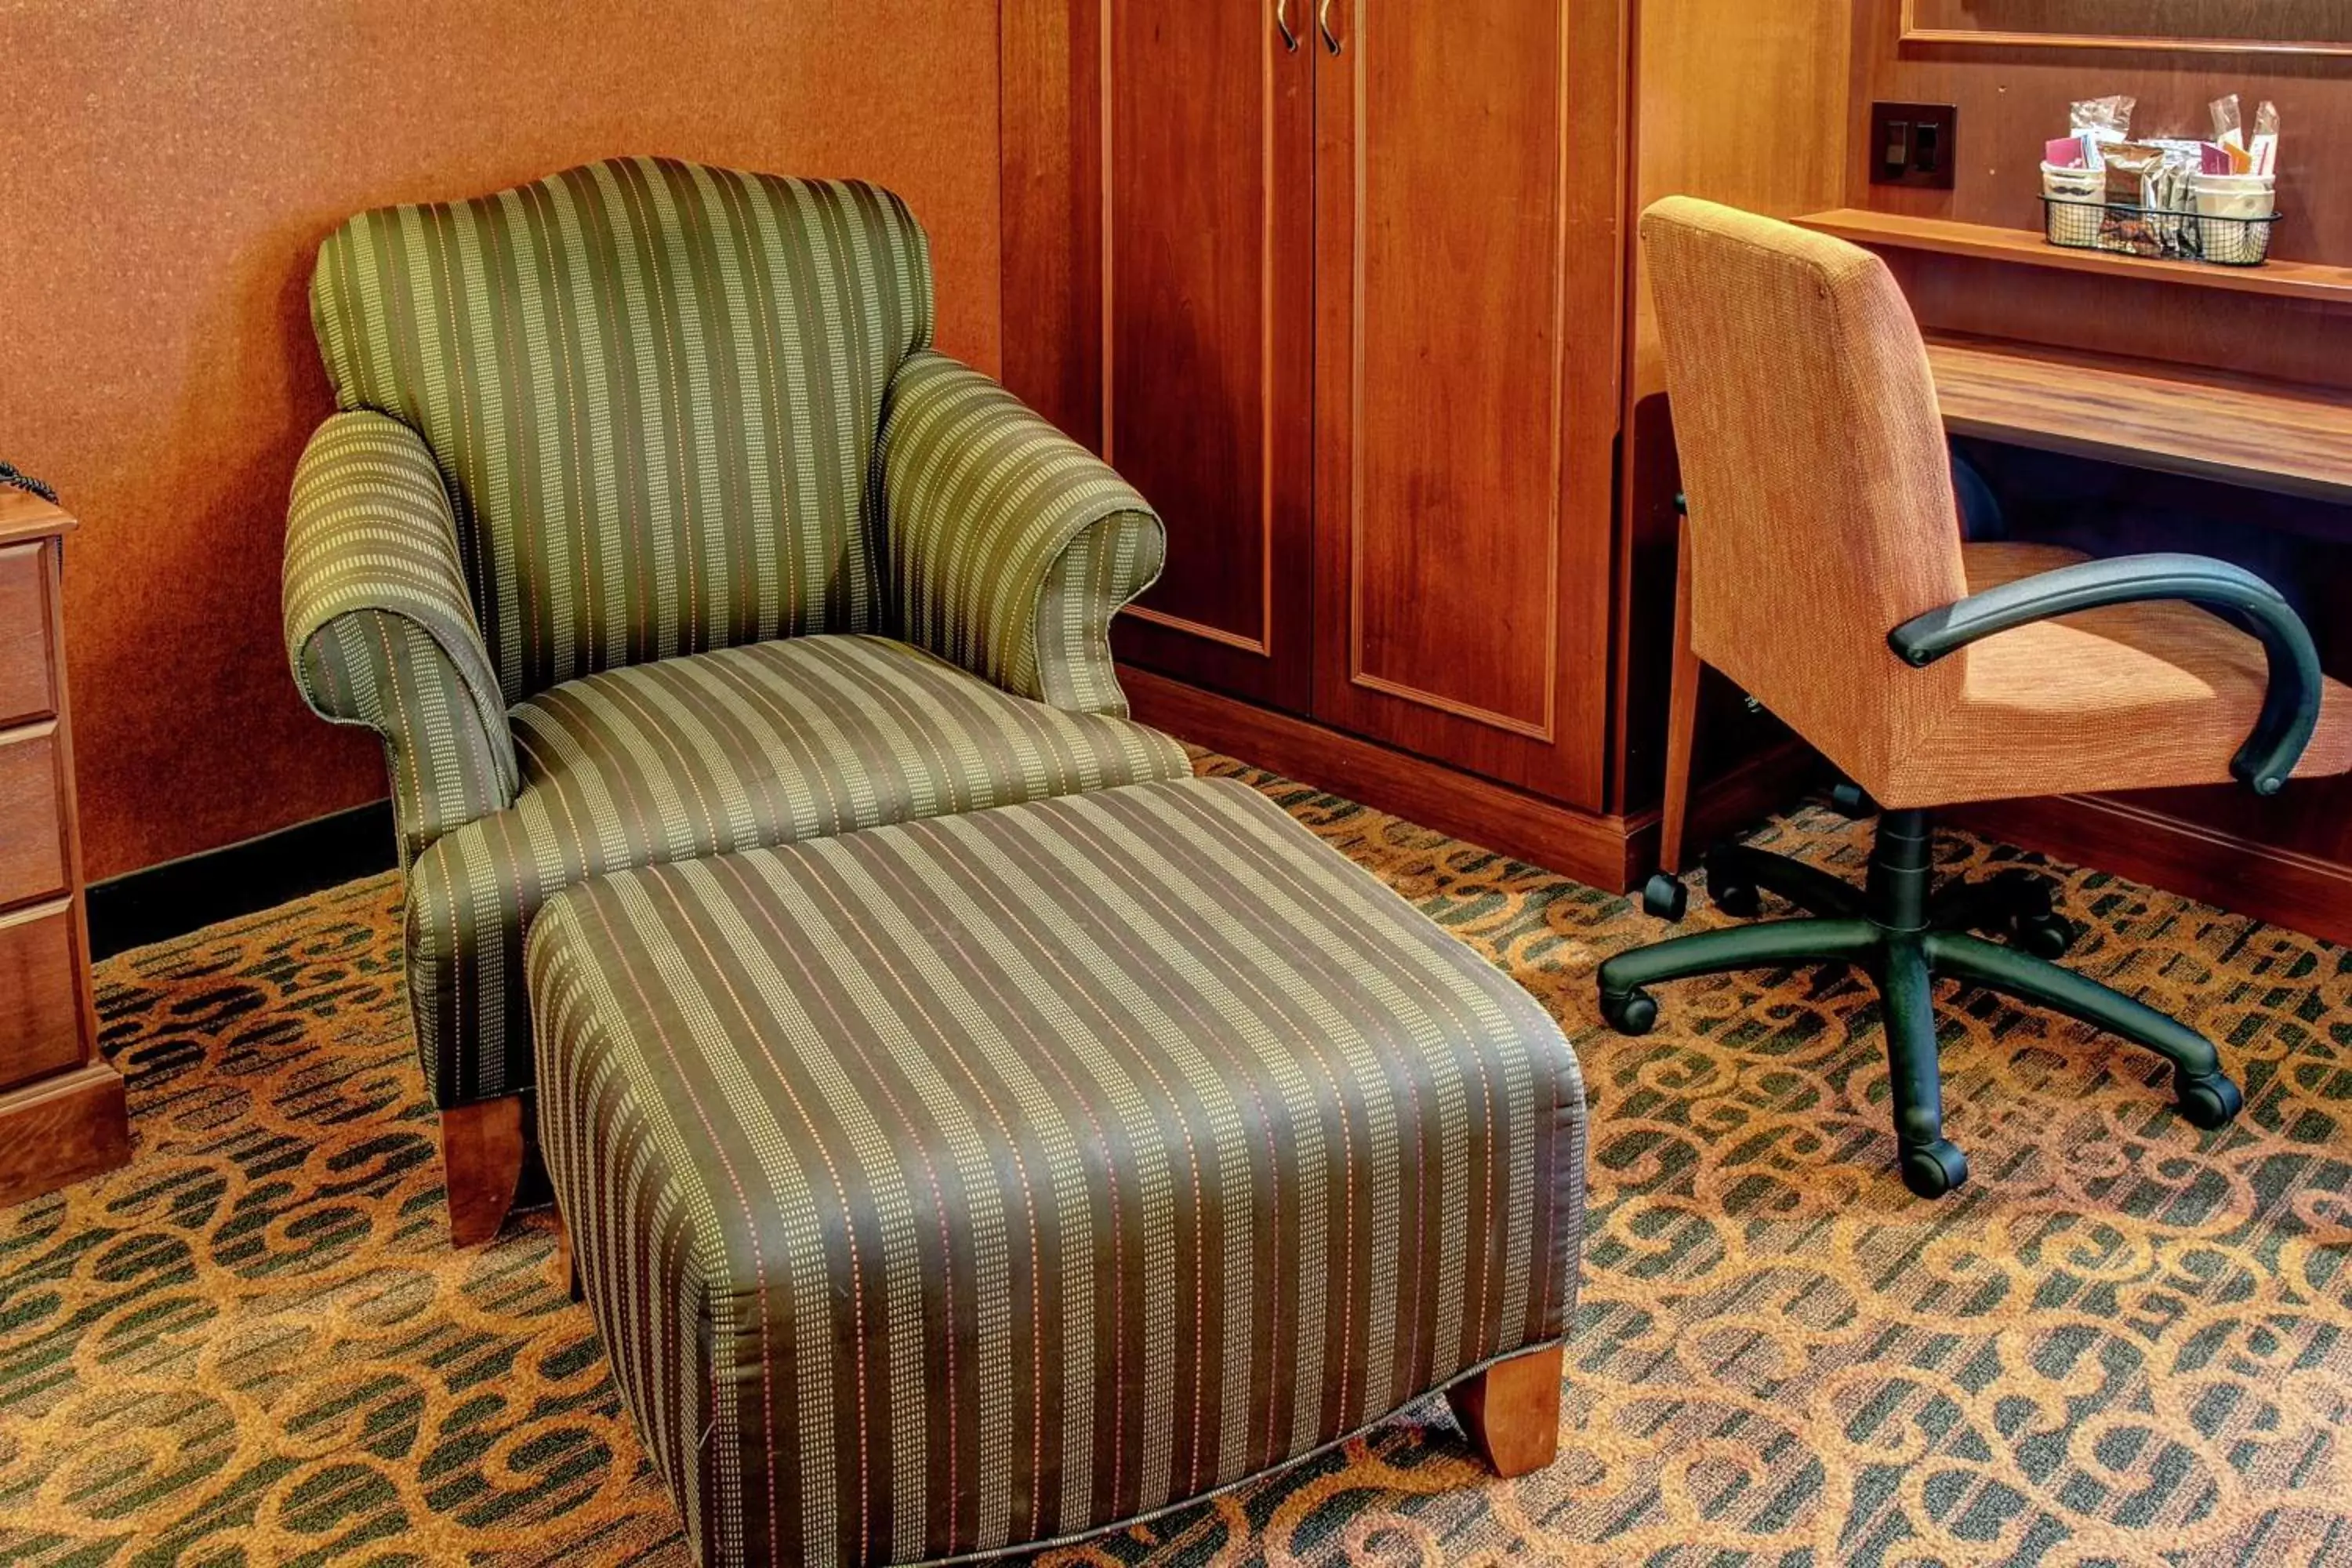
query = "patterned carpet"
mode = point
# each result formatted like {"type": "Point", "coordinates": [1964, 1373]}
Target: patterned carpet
{"type": "Point", "coordinates": [2124, 1342]}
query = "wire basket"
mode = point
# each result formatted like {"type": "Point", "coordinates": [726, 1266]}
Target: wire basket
{"type": "Point", "coordinates": [2151, 231]}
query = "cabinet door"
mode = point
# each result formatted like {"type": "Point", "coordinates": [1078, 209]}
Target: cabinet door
{"type": "Point", "coordinates": [1467, 179]}
{"type": "Point", "coordinates": [1208, 300]}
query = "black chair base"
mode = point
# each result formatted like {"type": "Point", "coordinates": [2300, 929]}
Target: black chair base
{"type": "Point", "coordinates": [1905, 937]}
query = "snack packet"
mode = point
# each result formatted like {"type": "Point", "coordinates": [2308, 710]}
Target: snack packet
{"type": "Point", "coordinates": [2227, 153]}
{"type": "Point", "coordinates": [2127, 223]}
{"type": "Point", "coordinates": [2265, 147]}
{"type": "Point", "coordinates": [2098, 122]}
{"type": "Point", "coordinates": [2228, 131]}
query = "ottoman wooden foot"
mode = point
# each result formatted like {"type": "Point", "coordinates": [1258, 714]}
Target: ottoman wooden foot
{"type": "Point", "coordinates": [481, 1162]}
{"type": "Point", "coordinates": [1510, 1412]}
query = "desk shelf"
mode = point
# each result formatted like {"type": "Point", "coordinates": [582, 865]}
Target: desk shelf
{"type": "Point", "coordinates": [2027, 247]}
{"type": "Point", "coordinates": [2263, 435]}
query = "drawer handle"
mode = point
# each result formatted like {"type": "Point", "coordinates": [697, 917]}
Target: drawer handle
{"type": "Point", "coordinates": [1323, 20]}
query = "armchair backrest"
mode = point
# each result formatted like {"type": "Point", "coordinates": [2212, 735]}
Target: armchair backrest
{"type": "Point", "coordinates": [653, 390]}
{"type": "Point", "coordinates": [1813, 456]}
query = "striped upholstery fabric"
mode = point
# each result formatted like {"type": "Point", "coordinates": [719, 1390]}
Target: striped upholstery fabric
{"type": "Point", "coordinates": [1009, 545]}
{"type": "Point", "coordinates": [986, 1181]}
{"type": "Point", "coordinates": [654, 390]}
{"type": "Point", "coordinates": [646, 410]}
{"type": "Point", "coordinates": [380, 629]}
{"type": "Point", "coordinates": [746, 747]}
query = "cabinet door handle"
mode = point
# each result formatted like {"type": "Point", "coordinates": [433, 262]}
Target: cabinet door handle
{"type": "Point", "coordinates": [1323, 20]}
{"type": "Point", "coordinates": [1281, 24]}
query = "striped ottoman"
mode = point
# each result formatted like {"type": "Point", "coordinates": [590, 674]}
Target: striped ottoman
{"type": "Point", "coordinates": [989, 1180]}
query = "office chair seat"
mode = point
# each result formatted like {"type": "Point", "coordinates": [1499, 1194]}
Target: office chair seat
{"type": "Point", "coordinates": [2131, 697]}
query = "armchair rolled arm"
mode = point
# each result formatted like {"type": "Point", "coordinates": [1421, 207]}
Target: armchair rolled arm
{"type": "Point", "coordinates": [2290, 709]}
{"type": "Point", "coordinates": [1008, 546]}
{"type": "Point", "coordinates": [379, 630]}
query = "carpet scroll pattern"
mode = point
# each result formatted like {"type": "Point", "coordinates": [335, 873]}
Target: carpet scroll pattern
{"type": "Point", "coordinates": [2123, 1343]}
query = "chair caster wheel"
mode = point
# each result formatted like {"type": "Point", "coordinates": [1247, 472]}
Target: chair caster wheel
{"type": "Point", "coordinates": [1740, 900]}
{"type": "Point", "coordinates": [2043, 936]}
{"type": "Point", "coordinates": [1635, 1013]}
{"type": "Point", "coordinates": [1931, 1170]}
{"type": "Point", "coordinates": [2207, 1103]}
{"type": "Point", "coordinates": [1850, 800]}
{"type": "Point", "coordinates": [1665, 898]}
{"type": "Point", "coordinates": [1728, 889]}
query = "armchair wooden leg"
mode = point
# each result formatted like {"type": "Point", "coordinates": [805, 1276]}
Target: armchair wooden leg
{"type": "Point", "coordinates": [1510, 1412]}
{"type": "Point", "coordinates": [567, 1262]}
{"type": "Point", "coordinates": [481, 1162]}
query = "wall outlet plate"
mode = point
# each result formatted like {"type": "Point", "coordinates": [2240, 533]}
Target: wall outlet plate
{"type": "Point", "coordinates": [1914, 144]}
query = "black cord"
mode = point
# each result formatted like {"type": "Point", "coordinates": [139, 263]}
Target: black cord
{"type": "Point", "coordinates": [9, 476]}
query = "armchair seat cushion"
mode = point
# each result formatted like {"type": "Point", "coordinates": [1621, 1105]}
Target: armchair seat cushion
{"type": "Point", "coordinates": [744, 747]}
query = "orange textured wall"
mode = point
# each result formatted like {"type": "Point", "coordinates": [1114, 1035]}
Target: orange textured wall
{"type": "Point", "coordinates": [167, 168]}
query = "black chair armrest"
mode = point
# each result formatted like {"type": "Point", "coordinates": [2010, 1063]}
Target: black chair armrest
{"type": "Point", "coordinates": [2290, 704]}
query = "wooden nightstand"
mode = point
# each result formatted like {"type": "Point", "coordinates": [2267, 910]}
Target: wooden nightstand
{"type": "Point", "coordinates": [61, 1110]}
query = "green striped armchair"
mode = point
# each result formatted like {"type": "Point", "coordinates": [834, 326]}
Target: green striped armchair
{"type": "Point", "coordinates": [650, 526]}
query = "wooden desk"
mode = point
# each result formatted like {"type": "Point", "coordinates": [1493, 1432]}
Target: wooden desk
{"type": "Point", "coordinates": [2263, 435]}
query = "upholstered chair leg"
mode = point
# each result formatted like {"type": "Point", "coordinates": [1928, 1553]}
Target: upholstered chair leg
{"type": "Point", "coordinates": [481, 1162]}
{"type": "Point", "coordinates": [1510, 1412]}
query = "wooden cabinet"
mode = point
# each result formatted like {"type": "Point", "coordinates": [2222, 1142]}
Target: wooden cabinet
{"type": "Point", "coordinates": [1358, 316]}
{"type": "Point", "coordinates": [1207, 327]}
{"type": "Point", "coordinates": [1465, 370]}
{"type": "Point", "coordinates": [1353, 329]}
{"type": "Point", "coordinates": [61, 1106]}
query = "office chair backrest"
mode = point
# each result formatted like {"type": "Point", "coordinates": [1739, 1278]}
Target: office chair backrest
{"type": "Point", "coordinates": [653, 390]}
{"type": "Point", "coordinates": [1821, 514]}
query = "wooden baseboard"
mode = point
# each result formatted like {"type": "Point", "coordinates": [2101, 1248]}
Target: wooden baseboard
{"type": "Point", "coordinates": [2298, 891]}
{"type": "Point", "coordinates": [1606, 851]}
{"type": "Point", "coordinates": [61, 1131]}
{"type": "Point", "coordinates": [237, 879]}
{"type": "Point", "coordinates": [1586, 846]}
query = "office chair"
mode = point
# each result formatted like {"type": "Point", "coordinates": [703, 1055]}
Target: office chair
{"type": "Point", "coordinates": [1829, 579]}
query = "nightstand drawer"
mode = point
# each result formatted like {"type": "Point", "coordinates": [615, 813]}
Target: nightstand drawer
{"type": "Point", "coordinates": [41, 995]}
{"type": "Point", "coordinates": [26, 689]}
{"type": "Point", "coordinates": [32, 826]}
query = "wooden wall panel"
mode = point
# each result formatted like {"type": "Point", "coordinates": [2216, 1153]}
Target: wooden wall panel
{"type": "Point", "coordinates": [167, 173]}
{"type": "Point", "coordinates": [1051, 133]}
